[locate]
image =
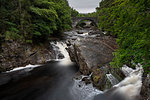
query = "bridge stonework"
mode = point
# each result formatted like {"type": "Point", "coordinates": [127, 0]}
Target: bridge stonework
{"type": "Point", "coordinates": [76, 20]}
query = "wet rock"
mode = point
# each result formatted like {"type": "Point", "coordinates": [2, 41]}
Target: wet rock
{"type": "Point", "coordinates": [93, 55]}
{"type": "Point", "coordinates": [92, 52]}
{"type": "Point", "coordinates": [87, 80]}
{"type": "Point", "coordinates": [72, 53]}
{"type": "Point", "coordinates": [117, 73]}
{"type": "Point", "coordinates": [145, 92]}
{"type": "Point", "coordinates": [60, 56]}
{"type": "Point", "coordinates": [78, 76]}
{"type": "Point", "coordinates": [81, 31]}
{"type": "Point", "coordinates": [93, 32]}
{"type": "Point", "coordinates": [99, 78]}
{"type": "Point", "coordinates": [16, 54]}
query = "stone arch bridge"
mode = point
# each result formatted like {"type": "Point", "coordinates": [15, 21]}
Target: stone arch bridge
{"type": "Point", "coordinates": [76, 20]}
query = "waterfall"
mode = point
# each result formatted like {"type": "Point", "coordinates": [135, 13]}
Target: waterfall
{"type": "Point", "coordinates": [130, 87]}
{"type": "Point", "coordinates": [127, 89]}
{"type": "Point", "coordinates": [112, 79]}
{"type": "Point", "coordinates": [79, 90]}
{"type": "Point", "coordinates": [126, 70]}
{"type": "Point", "coordinates": [60, 49]}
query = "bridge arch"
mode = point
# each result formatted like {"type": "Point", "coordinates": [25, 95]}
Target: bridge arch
{"type": "Point", "coordinates": [76, 20]}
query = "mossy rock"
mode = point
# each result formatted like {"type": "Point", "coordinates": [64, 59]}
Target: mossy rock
{"type": "Point", "coordinates": [96, 78]}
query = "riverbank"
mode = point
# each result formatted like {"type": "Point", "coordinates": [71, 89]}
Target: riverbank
{"type": "Point", "coordinates": [15, 54]}
{"type": "Point", "coordinates": [90, 49]}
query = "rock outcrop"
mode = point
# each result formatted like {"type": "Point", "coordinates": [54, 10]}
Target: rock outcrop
{"type": "Point", "coordinates": [93, 55]}
{"type": "Point", "coordinates": [145, 92]}
{"type": "Point", "coordinates": [15, 54]}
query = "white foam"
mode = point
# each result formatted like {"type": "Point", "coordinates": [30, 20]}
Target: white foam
{"type": "Point", "coordinates": [130, 87]}
{"type": "Point", "coordinates": [126, 70]}
{"type": "Point", "coordinates": [104, 32]}
{"type": "Point", "coordinates": [112, 79]}
{"type": "Point", "coordinates": [86, 33]}
{"type": "Point", "coordinates": [62, 49]}
{"type": "Point", "coordinates": [28, 68]}
{"type": "Point", "coordinates": [81, 91]}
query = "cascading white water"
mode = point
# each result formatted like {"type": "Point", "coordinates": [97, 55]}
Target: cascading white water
{"type": "Point", "coordinates": [79, 90]}
{"type": "Point", "coordinates": [112, 79]}
{"type": "Point", "coordinates": [82, 91]}
{"type": "Point", "coordinates": [126, 70]}
{"type": "Point", "coordinates": [130, 87]}
{"type": "Point", "coordinates": [60, 48]}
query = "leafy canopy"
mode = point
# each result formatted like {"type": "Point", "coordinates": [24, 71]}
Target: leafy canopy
{"type": "Point", "coordinates": [129, 21]}
{"type": "Point", "coordinates": [33, 20]}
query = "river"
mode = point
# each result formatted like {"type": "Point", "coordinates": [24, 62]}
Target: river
{"type": "Point", "coordinates": [59, 79]}
{"type": "Point", "coordinates": [54, 80]}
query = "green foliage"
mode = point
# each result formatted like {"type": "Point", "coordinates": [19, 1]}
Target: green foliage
{"type": "Point", "coordinates": [33, 20]}
{"type": "Point", "coordinates": [29, 41]}
{"type": "Point", "coordinates": [93, 14]}
{"type": "Point", "coordinates": [74, 13]}
{"type": "Point", "coordinates": [129, 20]}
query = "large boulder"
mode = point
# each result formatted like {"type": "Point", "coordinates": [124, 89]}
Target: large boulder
{"type": "Point", "coordinates": [92, 52]}
{"type": "Point", "coordinates": [93, 55]}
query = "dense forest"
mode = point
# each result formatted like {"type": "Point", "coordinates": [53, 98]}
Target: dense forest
{"type": "Point", "coordinates": [129, 21]}
{"type": "Point", "coordinates": [33, 21]}
{"type": "Point", "coordinates": [75, 13]}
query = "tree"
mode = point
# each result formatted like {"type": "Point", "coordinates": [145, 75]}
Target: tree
{"type": "Point", "coordinates": [33, 20]}
{"type": "Point", "coordinates": [129, 20]}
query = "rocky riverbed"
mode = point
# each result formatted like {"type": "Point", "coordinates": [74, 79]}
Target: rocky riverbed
{"type": "Point", "coordinates": [90, 49]}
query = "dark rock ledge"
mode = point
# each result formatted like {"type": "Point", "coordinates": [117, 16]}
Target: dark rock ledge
{"type": "Point", "coordinates": [15, 54]}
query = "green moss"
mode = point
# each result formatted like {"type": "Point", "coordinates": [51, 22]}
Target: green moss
{"type": "Point", "coordinates": [96, 78]}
